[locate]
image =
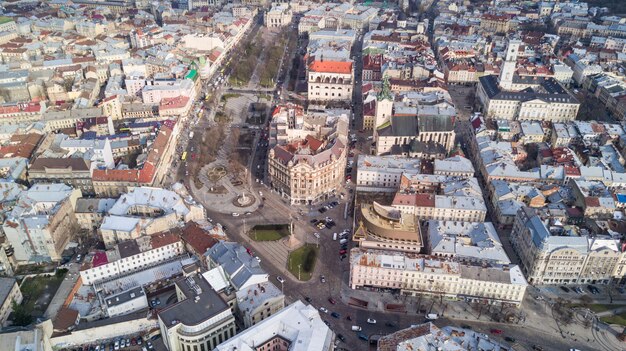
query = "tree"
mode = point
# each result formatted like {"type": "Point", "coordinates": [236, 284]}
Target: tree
{"type": "Point", "coordinates": [21, 317]}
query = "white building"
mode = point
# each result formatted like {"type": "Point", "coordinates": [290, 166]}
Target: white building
{"type": "Point", "coordinates": [131, 256]}
{"type": "Point", "coordinates": [414, 274]}
{"type": "Point", "coordinates": [383, 173]}
{"type": "Point", "coordinates": [457, 166]}
{"type": "Point", "coordinates": [296, 327]}
{"type": "Point", "coordinates": [278, 16]}
{"type": "Point", "coordinates": [126, 302]}
{"type": "Point", "coordinates": [330, 80]}
{"type": "Point", "coordinates": [230, 265]}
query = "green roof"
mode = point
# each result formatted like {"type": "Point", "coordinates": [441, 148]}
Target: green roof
{"type": "Point", "coordinates": [5, 19]}
{"type": "Point", "coordinates": [193, 74]}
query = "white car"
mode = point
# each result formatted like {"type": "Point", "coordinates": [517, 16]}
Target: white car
{"type": "Point", "coordinates": [280, 279]}
{"type": "Point", "coordinates": [371, 321]}
{"type": "Point", "coordinates": [235, 214]}
{"type": "Point", "coordinates": [258, 259]}
{"type": "Point", "coordinates": [322, 309]}
{"type": "Point", "coordinates": [317, 235]}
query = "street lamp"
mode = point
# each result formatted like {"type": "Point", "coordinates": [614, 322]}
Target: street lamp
{"type": "Point", "coordinates": [299, 264]}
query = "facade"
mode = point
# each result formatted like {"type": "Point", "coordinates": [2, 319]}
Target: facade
{"type": "Point", "coordinates": [278, 16]}
{"type": "Point", "coordinates": [200, 320]}
{"type": "Point", "coordinates": [295, 326]}
{"type": "Point", "coordinates": [428, 336]}
{"type": "Point", "coordinates": [414, 274]}
{"type": "Point", "coordinates": [74, 172]}
{"type": "Point", "coordinates": [131, 256]}
{"type": "Point", "coordinates": [510, 96]}
{"type": "Point", "coordinates": [42, 222]}
{"type": "Point", "coordinates": [9, 293]}
{"type": "Point", "coordinates": [256, 303]}
{"type": "Point", "coordinates": [308, 164]}
{"type": "Point", "coordinates": [383, 173]}
{"type": "Point", "coordinates": [330, 80]}
{"type": "Point", "coordinates": [387, 228]}
{"type": "Point", "coordinates": [558, 256]}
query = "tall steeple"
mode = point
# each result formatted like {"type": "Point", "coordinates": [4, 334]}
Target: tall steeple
{"type": "Point", "coordinates": [384, 104]}
{"type": "Point", "coordinates": [510, 62]}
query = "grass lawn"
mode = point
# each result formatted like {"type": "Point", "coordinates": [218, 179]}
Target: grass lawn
{"type": "Point", "coordinates": [38, 293]}
{"type": "Point", "coordinates": [305, 257]}
{"type": "Point", "coordinates": [599, 307]}
{"type": "Point", "coordinates": [269, 232]}
{"type": "Point", "coordinates": [616, 319]}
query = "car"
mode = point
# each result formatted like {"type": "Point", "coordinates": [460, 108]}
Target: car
{"type": "Point", "coordinates": [332, 301]}
{"type": "Point", "coordinates": [307, 299]}
{"type": "Point", "coordinates": [465, 326]}
{"type": "Point", "coordinates": [149, 344]}
{"type": "Point", "coordinates": [509, 339]}
{"type": "Point", "coordinates": [313, 221]}
{"type": "Point", "coordinates": [322, 279]}
{"type": "Point", "coordinates": [564, 288]}
{"type": "Point", "coordinates": [235, 214]}
{"type": "Point", "coordinates": [317, 235]}
{"type": "Point", "coordinates": [341, 337]}
{"type": "Point", "coordinates": [280, 279]}
{"type": "Point", "coordinates": [341, 252]}
{"type": "Point", "coordinates": [139, 340]}
{"type": "Point", "coordinates": [324, 310]}
{"type": "Point", "coordinates": [257, 259]}
{"type": "Point", "coordinates": [496, 331]}
{"type": "Point", "coordinates": [537, 348]}
{"type": "Point", "coordinates": [322, 209]}
{"type": "Point", "coordinates": [127, 342]}
{"type": "Point", "coordinates": [390, 324]}
{"type": "Point", "coordinates": [621, 290]}
{"type": "Point", "coordinates": [335, 314]}
{"type": "Point", "coordinates": [327, 324]}
{"type": "Point", "coordinates": [133, 341]}
{"type": "Point", "coordinates": [363, 336]}
{"type": "Point", "coordinates": [371, 321]}
{"type": "Point", "coordinates": [342, 257]}
{"type": "Point", "coordinates": [116, 346]}
{"type": "Point", "coordinates": [592, 289]}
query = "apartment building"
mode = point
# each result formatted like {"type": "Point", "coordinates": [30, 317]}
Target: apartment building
{"type": "Point", "coordinates": [295, 326]}
{"type": "Point", "coordinates": [74, 172]}
{"type": "Point", "coordinates": [560, 255]}
{"type": "Point", "coordinates": [308, 164]}
{"type": "Point", "coordinates": [131, 256]}
{"type": "Point", "coordinates": [256, 303]}
{"type": "Point", "coordinates": [9, 293]}
{"type": "Point", "coordinates": [387, 228]}
{"type": "Point", "coordinates": [383, 173]}
{"type": "Point", "coordinates": [414, 274]}
{"type": "Point", "coordinates": [200, 320]}
{"type": "Point", "coordinates": [42, 222]}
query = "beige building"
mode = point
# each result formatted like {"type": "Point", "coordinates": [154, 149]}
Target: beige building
{"type": "Point", "coordinates": [9, 293]}
{"type": "Point", "coordinates": [330, 80]}
{"type": "Point", "coordinates": [258, 302]}
{"type": "Point", "coordinates": [413, 274]}
{"type": "Point", "coordinates": [387, 228]}
{"type": "Point", "coordinates": [308, 164]}
{"type": "Point", "coordinates": [71, 171]}
{"type": "Point", "coordinates": [560, 256]}
{"type": "Point", "coordinates": [278, 16]}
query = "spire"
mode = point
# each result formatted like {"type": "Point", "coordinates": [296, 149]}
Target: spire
{"type": "Point", "coordinates": [385, 93]}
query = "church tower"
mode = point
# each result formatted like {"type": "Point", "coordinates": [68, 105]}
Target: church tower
{"type": "Point", "coordinates": [384, 104]}
{"type": "Point", "coordinates": [510, 61]}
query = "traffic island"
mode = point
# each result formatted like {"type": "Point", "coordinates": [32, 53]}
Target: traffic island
{"type": "Point", "coordinates": [301, 262]}
{"type": "Point", "coordinates": [269, 232]}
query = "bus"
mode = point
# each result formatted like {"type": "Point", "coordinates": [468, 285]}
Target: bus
{"type": "Point", "coordinates": [184, 157]}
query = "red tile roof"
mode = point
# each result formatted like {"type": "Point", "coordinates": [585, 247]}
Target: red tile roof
{"type": "Point", "coordinates": [163, 239]}
{"type": "Point", "coordinates": [196, 237]}
{"type": "Point", "coordinates": [99, 259]}
{"type": "Point", "coordinates": [30, 107]}
{"type": "Point", "coordinates": [331, 67]}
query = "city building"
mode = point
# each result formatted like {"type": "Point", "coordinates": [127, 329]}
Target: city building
{"type": "Point", "coordinates": [308, 163]}
{"type": "Point", "coordinates": [256, 303]}
{"type": "Point", "coordinates": [388, 228]}
{"type": "Point", "coordinates": [383, 173]}
{"type": "Point", "coordinates": [510, 96]}
{"type": "Point", "coordinates": [10, 293]}
{"type": "Point", "coordinates": [146, 211]}
{"type": "Point", "coordinates": [413, 274]}
{"type": "Point", "coordinates": [42, 222]}
{"type": "Point", "coordinates": [200, 320]}
{"type": "Point", "coordinates": [428, 336]}
{"type": "Point", "coordinates": [297, 326]}
{"type": "Point", "coordinates": [130, 256]}
{"type": "Point", "coordinates": [330, 80]}
{"type": "Point", "coordinates": [279, 15]}
{"type": "Point", "coordinates": [230, 266]}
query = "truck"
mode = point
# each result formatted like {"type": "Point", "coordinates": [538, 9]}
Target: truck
{"type": "Point", "coordinates": [432, 316]}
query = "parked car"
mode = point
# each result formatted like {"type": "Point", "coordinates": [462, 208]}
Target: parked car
{"type": "Point", "coordinates": [341, 337]}
{"type": "Point", "coordinates": [332, 301]}
{"type": "Point", "coordinates": [564, 288]}
{"type": "Point", "coordinates": [335, 314]}
{"type": "Point", "coordinates": [307, 299]}
{"type": "Point", "coordinates": [356, 328]}
{"type": "Point", "coordinates": [509, 339]}
{"type": "Point", "coordinates": [371, 321]}
{"type": "Point", "coordinates": [363, 336]}
{"type": "Point", "coordinates": [280, 279]}
{"type": "Point", "coordinates": [342, 257]}
{"type": "Point", "coordinates": [324, 310]}
{"type": "Point", "coordinates": [314, 221]}
{"type": "Point", "coordinates": [496, 331]}
{"type": "Point", "coordinates": [341, 252]}
{"type": "Point", "coordinates": [322, 279]}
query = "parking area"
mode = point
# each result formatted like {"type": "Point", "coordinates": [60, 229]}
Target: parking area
{"type": "Point", "coordinates": [126, 343]}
